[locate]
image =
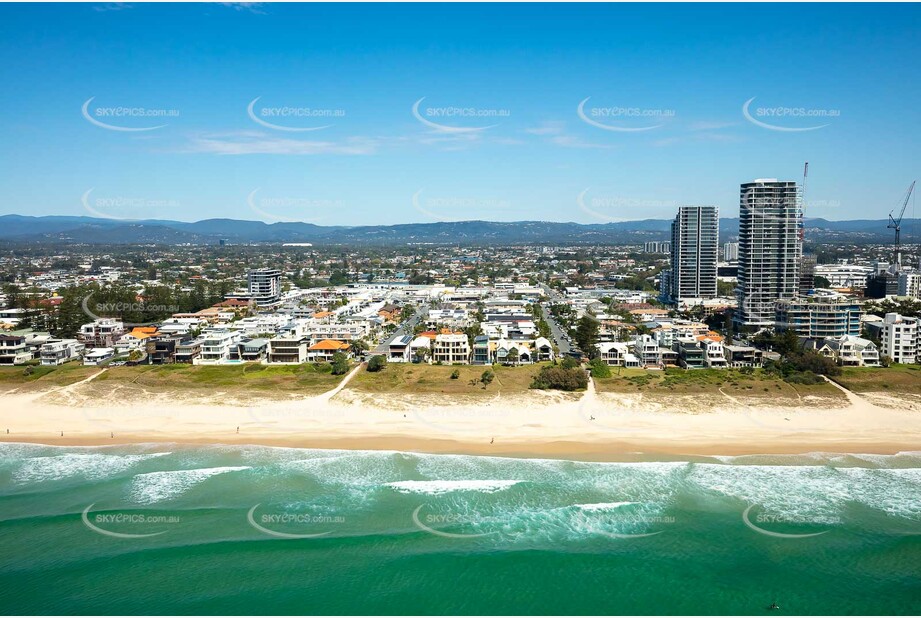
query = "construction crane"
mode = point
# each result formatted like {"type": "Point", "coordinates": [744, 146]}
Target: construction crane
{"type": "Point", "coordinates": [896, 224]}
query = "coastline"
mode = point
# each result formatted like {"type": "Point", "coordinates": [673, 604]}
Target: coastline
{"type": "Point", "coordinates": [594, 427]}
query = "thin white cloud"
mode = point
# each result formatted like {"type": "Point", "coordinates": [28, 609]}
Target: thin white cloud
{"type": "Point", "coordinates": [554, 132]}
{"type": "Point", "coordinates": [112, 6]}
{"type": "Point", "coordinates": [710, 125]}
{"type": "Point", "coordinates": [547, 128]}
{"type": "Point", "coordinates": [697, 138]}
{"type": "Point", "coordinates": [252, 7]}
{"type": "Point", "coordinates": [255, 142]}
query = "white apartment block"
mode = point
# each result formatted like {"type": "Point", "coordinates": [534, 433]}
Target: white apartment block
{"type": "Point", "coordinates": [451, 349]}
{"type": "Point", "coordinates": [770, 248]}
{"type": "Point", "coordinates": [910, 284]}
{"type": "Point", "coordinates": [694, 247]}
{"type": "Point", "coordinates": [899, 337]}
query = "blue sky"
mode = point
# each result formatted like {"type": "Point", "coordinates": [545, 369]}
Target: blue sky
{"type": "Point", "coordinates": [520, 151]}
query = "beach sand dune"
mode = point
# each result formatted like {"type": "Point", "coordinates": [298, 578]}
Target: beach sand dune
{"type": "Point", "coordinates": [586, 425]}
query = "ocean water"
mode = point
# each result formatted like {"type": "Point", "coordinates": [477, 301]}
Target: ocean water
{"type": "Point", "coordinates": [171, 529]}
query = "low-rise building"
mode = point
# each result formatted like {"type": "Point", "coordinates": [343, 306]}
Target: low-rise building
{"type": "Point", "coordinates": [97, 356]}
{"type": "Point", "coordinates": [324, 350]}
{"type": "Point", "coordinates": [287, 349]}
{"type": "Point", "coordinates": [218, 346]}
{"type": "Point", "coordinates": [617, 354]}
{"type": "Point", "coordinates": [60, 351]}
{"type": "Point", "coordinates": [14, 350]}
{"type": "Point", "coordinates": [398, 350]}
{"type": "Point", "coordinates": [852, 351]}
{"type": "Point", "coordinates": [101, 332]}
{"type": "Point", "coordinates": [818, 319]}
{"type": "Point", "coordinates": [451, 349]}
{"type": "Point", "coordinates": [738, 356]}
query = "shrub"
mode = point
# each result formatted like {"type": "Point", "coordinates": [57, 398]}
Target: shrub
{"type": "Point", "coordinates": [487, 377]}
{"type": "Point", "coordinates": [559, 378]}
{"type": "Point", "coordinates": [455, 374]}
{"type": "Point", "coordinates": [569, 362]}
{"type": "Point", "coordinates": [600, 369]}
{"type": "Point", "coordinates": [377, 362]}
{"type": "Point", "coordinates": [803, 377]}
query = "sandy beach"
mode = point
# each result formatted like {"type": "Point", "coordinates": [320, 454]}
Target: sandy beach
{"type": "Point", "coordinates": [590, 425]}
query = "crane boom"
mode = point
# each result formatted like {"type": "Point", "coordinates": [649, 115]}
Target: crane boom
{"type": "Point", "coordinates": [896, 224]}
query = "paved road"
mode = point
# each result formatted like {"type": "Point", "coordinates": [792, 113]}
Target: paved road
{"type": "Point", "coordinates": [406, 328]}
{"type": "Point", "coordinates": [555, 328]}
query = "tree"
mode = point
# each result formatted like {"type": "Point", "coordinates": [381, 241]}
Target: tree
{"type": "Point", "coordinates": [338, 277]}
{"type": "Point", "coordinates": [377, 362]}
{"type": "Point", "coordinates": [340, 364]}
{"type": "Point", "coordinates": [586, 335]}
{"type": "Point", "coordinates": [600, 369]}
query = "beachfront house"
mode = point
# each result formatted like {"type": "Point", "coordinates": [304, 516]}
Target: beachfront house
{"type": "Point", "coordinates": [101, 332]}
{"type": "Point", "coordinates": [451, 349]}
{"type": "Point", "coordinates": [851, 351]}
{"type": "Point", "coordinates": [288, 349]}
{"type": "Point", "coordinates": [218, 346]}
{"type": "Point", "coordinates": [690, 354]}
{"type": "Point", "coordinates": [646, 348]}
{"type": "Point", "coordinates": [253, 350]}
{"type": "Point", "coordinates": [60, 351]}
{"type": "Point", "coordinates": [543, 350]}
{"type": "Point", "coordinates": [398, 350]}
{"type": "Point", "coordinates": [161, 350]}
{"type": "Point", "coordinates": [618, 354]}
{"type": "Point", "coordinates": [738, 356]}
{"type": "Point", "coordinates": [188, 350]}
{"type": "Point", "coordinates": [323, 351]}
{"type": "Point", "coordinates": [14, 350]}
{"type": "Point", "coordinates": [97, 356]}
{"type": "Point", "coordinates": [420, 349]}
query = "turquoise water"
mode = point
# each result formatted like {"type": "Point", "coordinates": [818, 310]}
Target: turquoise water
{"type": "Point", "coordinates": [162, 529]}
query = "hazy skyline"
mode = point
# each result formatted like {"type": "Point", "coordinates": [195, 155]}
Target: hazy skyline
{"type": "Point", "coordinates": [528, 145]}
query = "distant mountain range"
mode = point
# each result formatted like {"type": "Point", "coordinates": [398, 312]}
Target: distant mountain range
{"type": "Point", "coordinates": [89, 230]}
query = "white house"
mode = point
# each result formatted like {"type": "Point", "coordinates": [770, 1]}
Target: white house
{"type": "Point", "coordinates": [419, 345]}
{"type": "Point", "coordinates": [101, 332]}
{"type": "Point", "coordinates": [217, 346]}
{"type": "Point", "coordinates": [451, 349]}
{"type": "Point", "coordinates": [617, 354]}
{"type": "Point", "coordinates": [854, 351]}
{"type": "Point", "coordinates": [399, 348]}
{"type": "Point", "coordinates": [97, 356]}
{"type": "Point", "coordinates": [60, 351]}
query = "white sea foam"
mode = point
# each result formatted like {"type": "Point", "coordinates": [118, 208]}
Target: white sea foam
{"type": "Point", "coordinates": [602, 506]}
{"type": "Point", "coordinates": [435, 488]}
{"type": "Point", "coordinates": [158, 486]}
{"type": "Point", "coordinates": [94, 466]}
{"type": "Point", "coordinates": [360, 469]}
